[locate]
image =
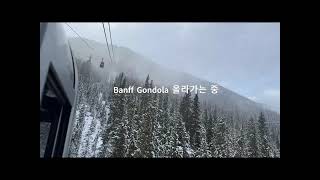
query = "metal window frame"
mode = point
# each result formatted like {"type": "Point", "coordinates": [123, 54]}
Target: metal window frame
{"type": "Point", "coordinates": [59, 125]}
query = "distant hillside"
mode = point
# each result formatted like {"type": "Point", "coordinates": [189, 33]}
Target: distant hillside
{"type": "Point", "coordinates": [134, 64]}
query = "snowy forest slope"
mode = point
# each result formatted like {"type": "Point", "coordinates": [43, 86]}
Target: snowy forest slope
{"type": "Point", "coordinates": [136, 65]}
{"type": "Point", "coordinates": [160, 125]}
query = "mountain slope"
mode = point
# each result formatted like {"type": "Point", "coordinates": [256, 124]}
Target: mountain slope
{"type": "Point", "coordinates": [134, 64]}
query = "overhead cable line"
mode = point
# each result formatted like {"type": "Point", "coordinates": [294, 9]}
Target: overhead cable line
{"type": "Point", "coordinates": [111, 41]}
{"type": "Point", "coordinates": [104, 30]}
{"type": "Point", "coordinates": [79, 36]}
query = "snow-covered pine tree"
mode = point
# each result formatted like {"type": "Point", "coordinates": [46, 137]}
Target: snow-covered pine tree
{"type": "Point", "coordinates": [92, 98]}
{"type": "Point", "coordinates": [232, 139]}
{"type": "Point", "coordinates": [183, 147]}
{"type": "Point", "coordinates": [186, 112]}
{"type": "Point", "coordinates": [213, 118]}
{"type": "Point", "coordinates": [82, 105]}
{"type": "Point", "coordinates": [137, 140]}
{"type": "Point", "coordinates": [91, 138]}
{"type": "Point", "coordinates": [156, 126]}
{"type": "Point", "coordinates": [76, 133]}
{"type": "Point", "coordinates": [221, 138]}
{"type": "Point", "coordinates": [252, 139]}
{"type": "Point", "coordinates": [163, 123]}
{"type": "Point", "coordinates": [84, 148]}
{"type": "Point", "coordinates": [278, 144]}
{"type": "Point", "coordinates": [147, 122]}
{"type": "Point", "coordinates": [170, 146]}
{"type": "Point", "coordinates": [203, 151]}
{"type": "Point", "coordinates": [208, 125]}
{"type": "Point", "coordinates": [105, 123]}
{"type": "Point", "coordinates": [133, 124]}
{"type": "Point", "coordinates": [102, 120]}
{"type": "Point", "coordinates": [241, 140]}
{"type": "Point", "coordinates": [117, 129]}
{"type": "Point", "coordinates": [263, 136]}
{"type": "Point", "coordinates": [211, 135]}
{"type": "Point", "coordinates": [197, 131]}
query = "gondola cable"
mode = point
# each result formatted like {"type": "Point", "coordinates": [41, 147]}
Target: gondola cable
{"type": "Point", "coordinates": [111, 41]}
{"type": "Point", "coordinates": [104, 30]}
{"type": "Point", "coordinates": [82, 40]}
{"type": "Point", "coordinates": [79, 36]}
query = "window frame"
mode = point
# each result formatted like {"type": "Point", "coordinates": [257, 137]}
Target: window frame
{"type": "Point", "coordinates": [59, 115]}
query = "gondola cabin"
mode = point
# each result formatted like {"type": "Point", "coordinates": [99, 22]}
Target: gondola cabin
{"type": "Point", "coordinates": [102, 63]}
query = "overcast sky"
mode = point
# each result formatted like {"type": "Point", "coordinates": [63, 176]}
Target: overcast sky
{"type": "Point", "coordinates": [243, 57]}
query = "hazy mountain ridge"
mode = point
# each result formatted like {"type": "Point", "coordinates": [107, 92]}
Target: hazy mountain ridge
{"type": "Point", "coordinates": [134, 64]}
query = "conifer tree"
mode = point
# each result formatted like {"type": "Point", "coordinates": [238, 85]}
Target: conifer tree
{"type": "Point", "coordinates": [252, 138]}
{"type": "Point", "coordinates": [133, 125]}
{"type": "Point", "coordinates": [221, 138]}
{"type": "Point", "coordinates": [147, 122]}
{"type": "Point", "coordinates": [195, 130]}
{"type": "Point", "coordinates": [263, 135]}
{"type": "Point", "coordinates": [118, 123]}
{"type": "Point", "coordinates": [186, 112]}
{"type": "Point", "coordinates": [208, 126]}
{"type": "Point", "coordinates": [240, 152]}
{"type": "Point", "coordinates": [183, 139]}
